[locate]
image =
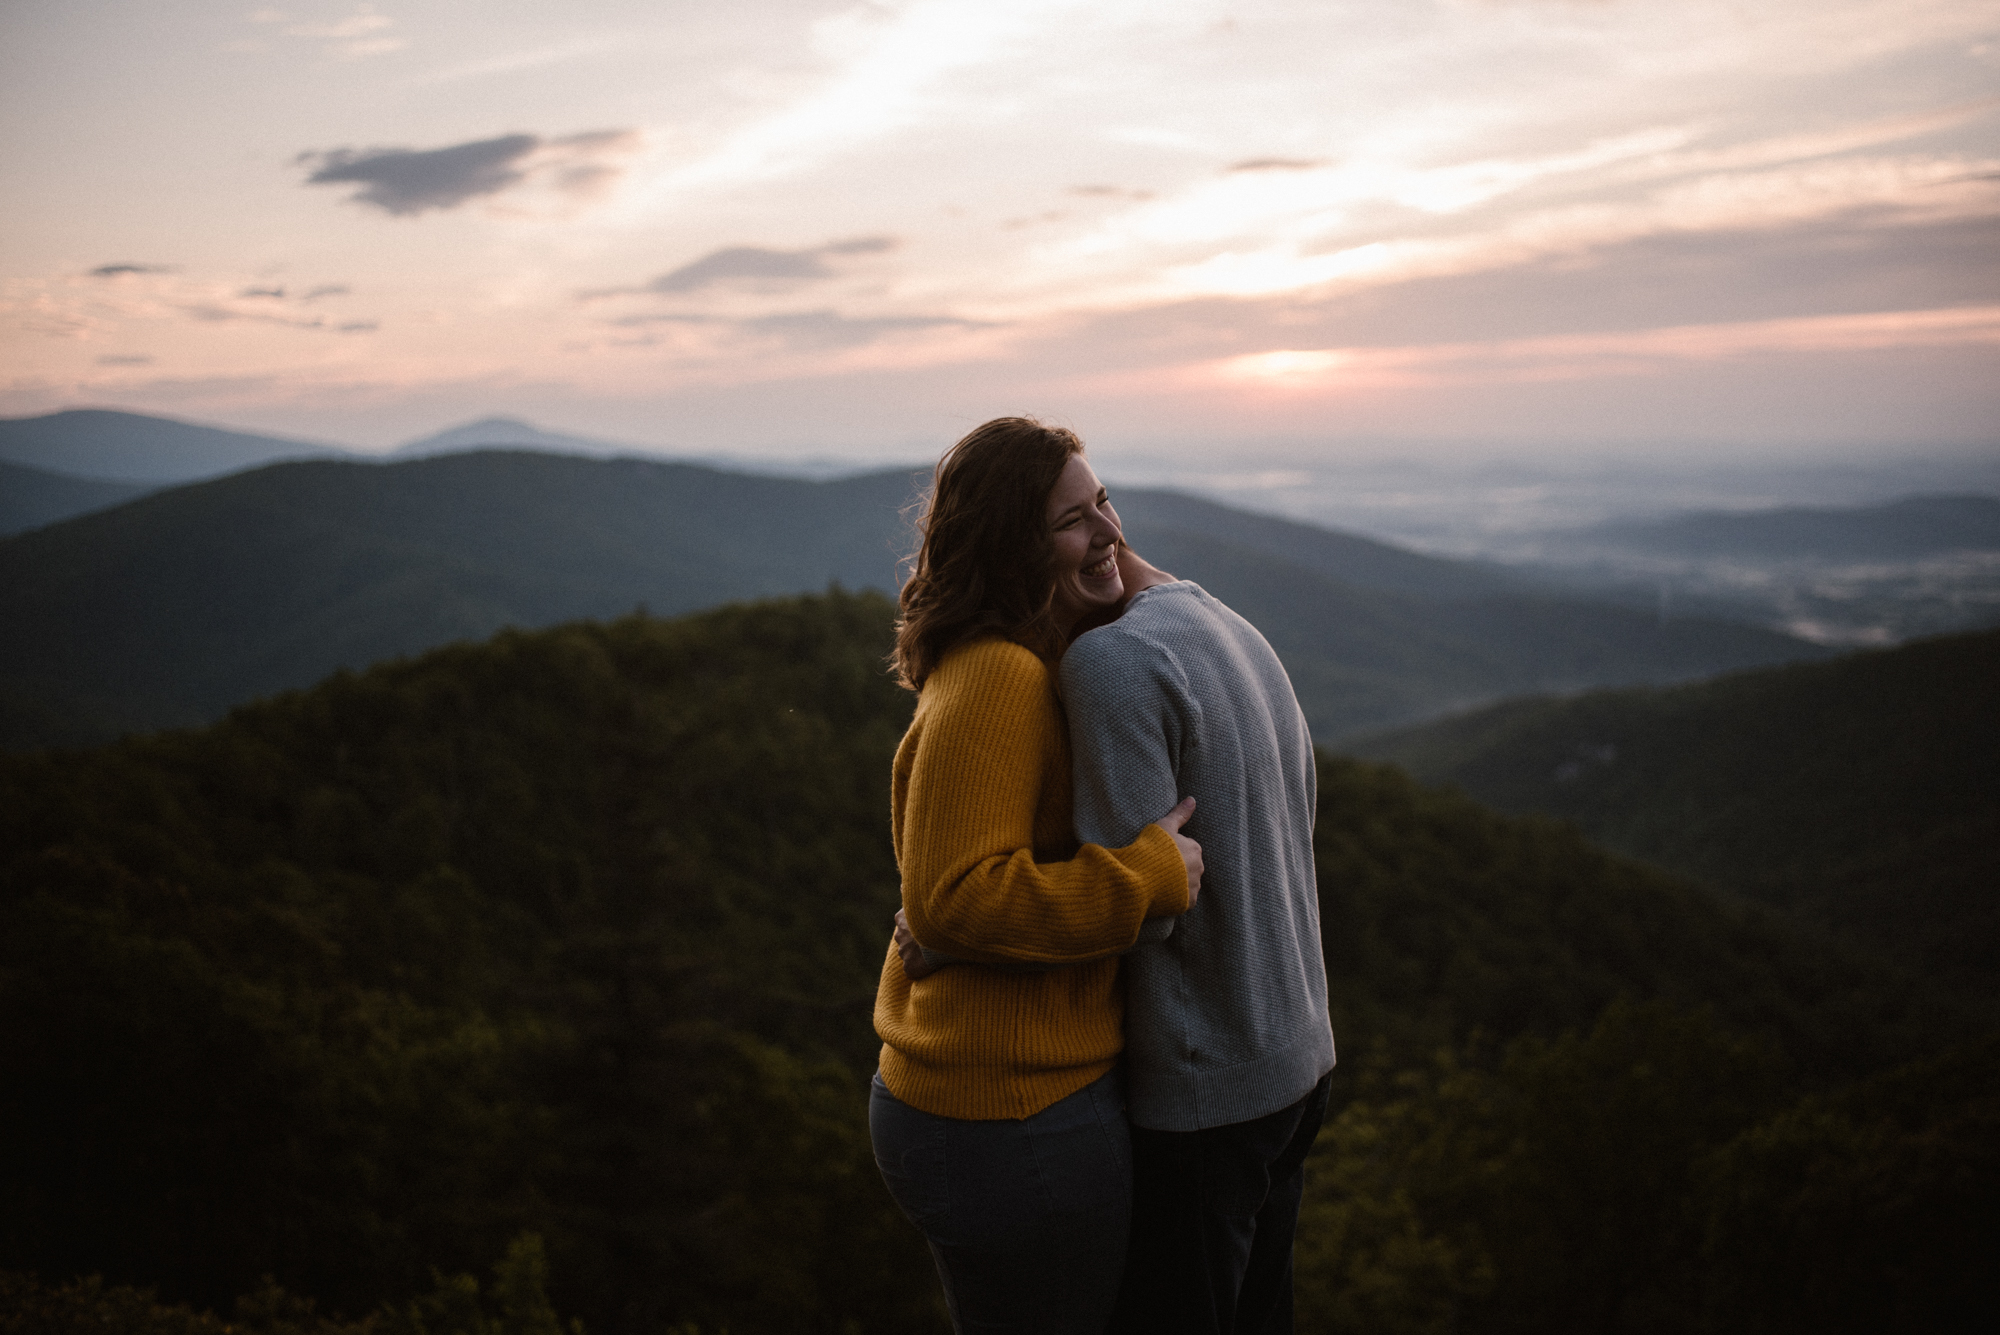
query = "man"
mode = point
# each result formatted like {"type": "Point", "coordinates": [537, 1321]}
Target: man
{"type": "Point", "coordinates": [1228, 1050]}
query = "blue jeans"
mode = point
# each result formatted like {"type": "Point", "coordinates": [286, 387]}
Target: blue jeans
{"type": "Point", "coordinates": [1027, 1220]}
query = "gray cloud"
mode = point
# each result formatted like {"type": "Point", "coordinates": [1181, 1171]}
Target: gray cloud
{"type": "Point", "coordinates": [285, 294]}
{"type": "Point", "coordinates": [811, 329]}
{"type": "Point", "coordinates": [758, 267]}
{"type": "Point", "coordinates": [1276, 165]}
{"type": "Point", "coordinates": [114, 359]}
{"type": "Point", "coordinates": [114, 270]}
{"type": "Point", "coordinates": [827, 329]}
{"type": "Point", "coordinates": [408, 181]}
{"type": "Point", "coordinates": [212, 314]}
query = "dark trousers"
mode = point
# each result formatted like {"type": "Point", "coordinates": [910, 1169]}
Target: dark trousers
{"type": "Point", "coordinates": [1027, 1220]}
{"type": "Point", "coordinates": [1214, 1213]}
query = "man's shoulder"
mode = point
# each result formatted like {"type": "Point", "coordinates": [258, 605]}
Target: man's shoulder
{"type": "Point", "coordinates": [1170, 616]}
{"type": "Point", "coordinates": [1195, 616]}
{"type": "Point", "coordinates": [1142, 634]}
{"type": "Point", "coordinates": [1202, 642]}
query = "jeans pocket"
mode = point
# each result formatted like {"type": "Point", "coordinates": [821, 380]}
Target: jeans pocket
{"type": "Point", "coordinates": [910, 1153]}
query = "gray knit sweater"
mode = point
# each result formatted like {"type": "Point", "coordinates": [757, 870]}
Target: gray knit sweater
{"type": "Point", "coordinates": [1225, 1018]}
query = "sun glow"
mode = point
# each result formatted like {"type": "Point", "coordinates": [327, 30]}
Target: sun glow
{"type": "Point", "coordinates": [1632, 352]}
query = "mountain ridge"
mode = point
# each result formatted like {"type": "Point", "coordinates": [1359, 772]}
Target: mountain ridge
{"type": "Point", "coordinates": [509, 433]}
{"type": "Point", "coordinates": [1857, 793]}
{"type": "Point", "coordinates": [32, 497]}
{"type": "Point", "coordinates": [214, 593]}
{"type": "Point", "coordinates": [107, 445]}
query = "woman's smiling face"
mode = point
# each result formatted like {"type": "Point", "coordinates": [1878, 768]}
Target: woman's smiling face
{"type": "Point", "coordinates": [1086, 533]}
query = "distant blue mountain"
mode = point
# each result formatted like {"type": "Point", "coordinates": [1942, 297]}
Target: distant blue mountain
{"type": "Point", "coordinates": [506, 433]}
{"type": "Point", "coordinates": [107, 446]}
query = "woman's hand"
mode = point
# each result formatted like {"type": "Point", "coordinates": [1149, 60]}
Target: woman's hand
{"type": "Point", "coordinates": [1190, 850]}
{"type": "Point", "coordinates": [912, 953]}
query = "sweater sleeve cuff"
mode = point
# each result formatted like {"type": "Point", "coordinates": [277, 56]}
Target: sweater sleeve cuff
{"type": "Point", "coordinates": [1155, 858]}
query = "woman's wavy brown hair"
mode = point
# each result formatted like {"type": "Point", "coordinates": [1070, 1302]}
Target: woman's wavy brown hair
{"type": "Point", "coordinates": [985, 565]}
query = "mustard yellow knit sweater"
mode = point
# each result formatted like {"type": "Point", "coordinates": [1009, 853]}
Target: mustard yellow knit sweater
{"type": "Point", "coordinates": [981, 812]}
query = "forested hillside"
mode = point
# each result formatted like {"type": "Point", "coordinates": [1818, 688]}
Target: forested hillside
{"type": "Point", "coordinates": [1862, 794]}
{"type": "Point", "coordinates": [169, 610]}
{"type": "Point", "coordinates": [574, 935]}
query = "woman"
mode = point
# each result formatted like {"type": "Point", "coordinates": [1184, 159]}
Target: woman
{"type": "Point", "coordinates": [997, 1116]}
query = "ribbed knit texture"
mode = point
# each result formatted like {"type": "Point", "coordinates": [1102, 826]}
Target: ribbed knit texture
{"type": "Point", "coordinates": [1226, 1019]}
{"type": "Point", "coordinates": [985, 838]}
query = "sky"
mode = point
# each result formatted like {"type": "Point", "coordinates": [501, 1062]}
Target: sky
{"type": "Point", "coordinates": [1272, 230]}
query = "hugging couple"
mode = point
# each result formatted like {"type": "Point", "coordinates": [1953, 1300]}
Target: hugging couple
{"type": "Point", "coordinates": [1105, 1044]}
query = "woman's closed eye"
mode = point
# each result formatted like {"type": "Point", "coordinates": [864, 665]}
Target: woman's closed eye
{"type": "Point", "coordinates": [1074, 517]}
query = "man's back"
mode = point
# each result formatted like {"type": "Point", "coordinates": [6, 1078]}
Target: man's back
{"type": "Point", "coordinates": [1226, 1019]}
